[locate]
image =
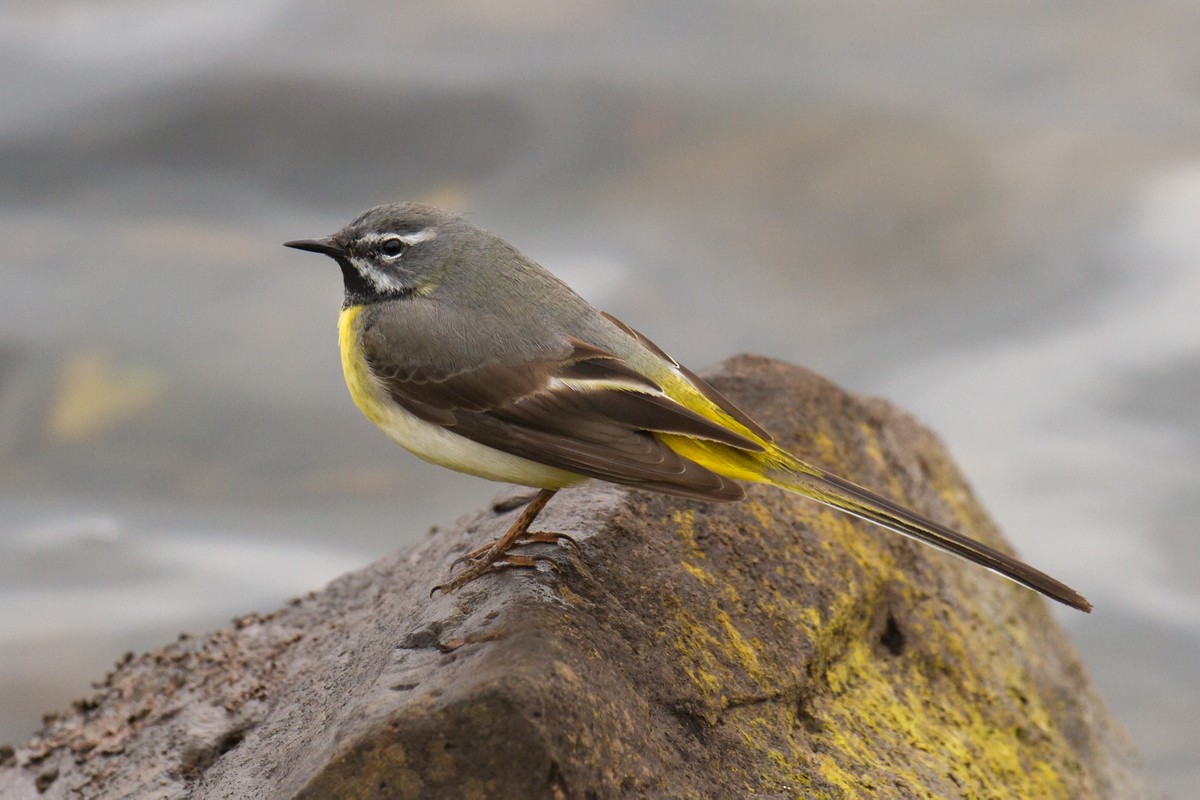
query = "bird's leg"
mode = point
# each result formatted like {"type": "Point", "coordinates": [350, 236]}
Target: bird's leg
{"type": "Point", "coordinates": [486, 559]}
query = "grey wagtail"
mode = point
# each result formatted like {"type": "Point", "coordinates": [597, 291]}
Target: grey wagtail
{"type": "Point", "coordinates": [474, 357]}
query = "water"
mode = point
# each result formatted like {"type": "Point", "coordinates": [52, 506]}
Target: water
{"type": "Point", "coordinates": [985, 214]}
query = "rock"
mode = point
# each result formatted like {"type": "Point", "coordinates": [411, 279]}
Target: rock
{"type": "Point", "coordinates": [769, 648]}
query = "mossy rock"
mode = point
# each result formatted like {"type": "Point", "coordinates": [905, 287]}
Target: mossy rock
{"type": "Point", "coordinates": [768, 648]}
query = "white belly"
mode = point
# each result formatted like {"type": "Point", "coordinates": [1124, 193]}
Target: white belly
{"type": "Point", "coordinates": [439, 446]}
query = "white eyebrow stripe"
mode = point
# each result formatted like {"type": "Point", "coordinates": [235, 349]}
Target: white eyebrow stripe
{"type": "Point", "coordinates": [408, 238]}
{"type": "Point", "coordinates": [419, 236]}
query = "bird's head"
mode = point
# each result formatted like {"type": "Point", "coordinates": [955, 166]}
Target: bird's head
{"type": "Point", "coordinates": [392, 251]}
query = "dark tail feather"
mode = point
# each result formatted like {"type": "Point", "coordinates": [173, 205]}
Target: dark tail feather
{"type": "Point", "coordinates": [854, 499]}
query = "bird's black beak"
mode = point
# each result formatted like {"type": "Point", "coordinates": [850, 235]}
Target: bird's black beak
{"type": "Point", "coordinates": [325, 246]}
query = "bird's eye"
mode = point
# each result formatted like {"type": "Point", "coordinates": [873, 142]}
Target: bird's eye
{"type": "Point", "coordinates": [392, 247]}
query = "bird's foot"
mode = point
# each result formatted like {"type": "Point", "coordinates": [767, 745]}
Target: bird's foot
{"type": "Point", "coordinates": [483, 566]}
{"type": "Point", "coordinates": [528, 537]}
{"type": "Point", "coordinates": [490, 558]}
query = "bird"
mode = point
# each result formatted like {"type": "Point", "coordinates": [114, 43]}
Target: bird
{"type": "Point", "coordinates": [474, 357]}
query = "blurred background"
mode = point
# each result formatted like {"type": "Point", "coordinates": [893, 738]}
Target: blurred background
{"type": "Point", "coordinates": [988, 213]}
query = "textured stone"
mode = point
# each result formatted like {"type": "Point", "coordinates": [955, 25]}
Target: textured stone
{"type": "Point", "coordinates": [769, 648]}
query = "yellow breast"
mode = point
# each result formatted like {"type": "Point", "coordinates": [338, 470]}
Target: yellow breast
{"type": "Point", "coordinates": [364, 389]}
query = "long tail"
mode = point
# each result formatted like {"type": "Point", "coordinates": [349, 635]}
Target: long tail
{"type": "Point", "coordinates": [854, 499]}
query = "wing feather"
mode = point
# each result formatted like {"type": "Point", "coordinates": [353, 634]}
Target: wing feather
{"type": "Point", "coordinates": [585, 411]}
{"type": "Point", "coordinates": [701, 385]}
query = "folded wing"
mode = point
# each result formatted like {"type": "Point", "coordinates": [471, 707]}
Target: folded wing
{"type": "Point", "coordinates": [583, 410]}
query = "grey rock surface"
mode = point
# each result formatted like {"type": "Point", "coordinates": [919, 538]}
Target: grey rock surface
{"type": "Point", "coordinates": [771, 648]}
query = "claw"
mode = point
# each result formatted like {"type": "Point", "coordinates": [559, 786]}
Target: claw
{"type": "Point", "coordinates": [570, 543]}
